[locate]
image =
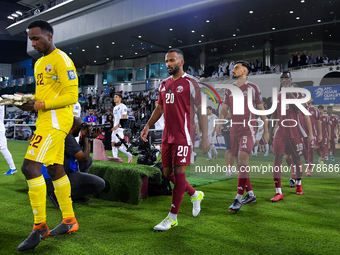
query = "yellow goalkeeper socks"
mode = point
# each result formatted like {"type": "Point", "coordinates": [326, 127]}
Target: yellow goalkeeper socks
{"type": "Point", "coordinates": [37, 195]}
{"type": "Point", "coordinates": [62, 190]}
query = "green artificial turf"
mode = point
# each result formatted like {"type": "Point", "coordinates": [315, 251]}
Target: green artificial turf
{"type": "Point", "coordinates": [307, 224]}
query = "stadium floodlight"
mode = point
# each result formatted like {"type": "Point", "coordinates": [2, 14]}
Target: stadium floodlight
{"type": "Point", "coordinates": [10, 17]}
{"type": "Point", "coordinates": [19, 12]}
{"type": "Point", "coordinates": [15, 15]}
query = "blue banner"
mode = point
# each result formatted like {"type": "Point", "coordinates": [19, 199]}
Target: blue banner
{"type": "Point", "coordinates": [325, 94]}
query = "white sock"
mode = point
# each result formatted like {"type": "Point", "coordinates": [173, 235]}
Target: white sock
{"type": "Point", "coordinates": [159, 149]}
{"type": "Point", "coordinates": [209, 153]}
{"type": "Point", "coordinates": [213, 147]}
{"type": "Point", "coordinates": [267, 148]}
{"type": "Point", "coordinates": [172, 216]}
{"type": "Point", "coordinates": [114, 152]}
{"type": "Point", "coordinates": [195, 194]}
{"type": "Point", "coordinates": [278, 190]}
{"type": "Point", "coordinates": [122, 149]}
{"type": "Point", "coordinates": [250, 193]}
{"type": "Point", "coordinates": [298, 182]}
{"type": "Point", "coordinates": [239, 197]}
{"type": "Point", "coordinates": [8, 157]}
{"type": "Point", "coordinates": [256, 148]}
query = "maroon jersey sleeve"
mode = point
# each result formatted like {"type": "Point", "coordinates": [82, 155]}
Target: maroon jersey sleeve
{"type": "Point", "coordinates": [195, 92]}
{"type": "Point", "coordinates": [160, 98]}
{"type": "Point", "coordinates": [226, 97]}
{"type": "Point", "coordinates": [317, 114]}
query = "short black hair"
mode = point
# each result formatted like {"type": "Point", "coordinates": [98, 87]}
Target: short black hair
{"type": "Point", "coordinates": [44, 25]}
{"type": "Point", "coordinates": [244, 63]}
{"type": "Point", "coordinates": [287, 72]}
{"type": "Point", "coordinates": [118, 94]}
{"type": "Point", "coordinates": [329, 107]}
{"type": "Point", "coordinates": [209, 107]}
{"type": "Point", "coordinates": [178, 51]}
{"type": "Point", "coordinates": [320, 107]}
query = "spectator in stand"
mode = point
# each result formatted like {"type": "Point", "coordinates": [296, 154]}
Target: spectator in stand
{"type": "Point", "coordinates": [90, 102]}
{"type": "Point", "coordinates": [272, 68]}
{"type": "Point", "coordinates": [291, 63]}
{"type": "Point", "coordinates": [299, 61]}
{"type": "Point", "coordinates": [129, 110]}
{"type": "Point", "coordinates": [295, 58]}
{"type": "Point", "coordinates": [214, 75]}
{"type": "Point", "coordinates": [99, 118]}
{"type": "Point", "coordinates": [310, 59]}
{"type": "Point", "coordinates": [101, 97]}
{"type": "Point", "coordinates": [259, 64]}
{"type": "Point", "coordinates": [225, 67]}
{"type": "Point", "coordinates": [252, 66]}
{"type": "Point", "coordinates": [338, 61]}
{"type": "Point", "coordinates": [319, 59]}
{"type": "Point", "coordinates": [94, 102]}
{"type": "Point", "coordinates": [303, 58]}
{"type": "Point", "coordinates": [325, 59]}
{"type": "Point", "coordinates": [231, 67]}
{"type": "Point", "coordinates": [220, 70]}
{"type": "Point", "coordinates": [200, 72]}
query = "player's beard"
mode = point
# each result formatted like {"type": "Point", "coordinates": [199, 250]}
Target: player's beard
{"type": "Point", "coordinates": [235, 77]}
{"type": "Point", "coordinates": [174, 71]}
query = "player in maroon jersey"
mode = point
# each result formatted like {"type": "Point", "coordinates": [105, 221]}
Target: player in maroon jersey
{"type": "Point", "coordinates": [178, 95]}
{"type": "Point", "coordinates": [287, 139]}
{"type": "Point", "coordinates": [243, 136]}
{"type": "Point", "coordinates": [316, 126]}
{"type": "Point", "coordinates": [335, 128]}
{"type": "Point", "coordinates": [326, 133]}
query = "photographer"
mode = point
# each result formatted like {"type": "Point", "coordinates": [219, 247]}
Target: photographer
{"type": "Point", "coordinates": [82, 183]}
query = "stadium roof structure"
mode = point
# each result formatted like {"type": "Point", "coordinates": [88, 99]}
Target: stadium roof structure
{"type": "Point", "coordinates": [220, 28]}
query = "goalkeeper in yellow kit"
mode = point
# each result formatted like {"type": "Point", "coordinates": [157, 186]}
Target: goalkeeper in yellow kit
{"type": "Point", "coordinates": [56, 92]}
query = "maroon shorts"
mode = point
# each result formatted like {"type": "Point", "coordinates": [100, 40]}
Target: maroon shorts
{"type": "Point", "coordinates": [291, 146]}
{"type": "Point", "coordinates": [241, 143]}
{"type": "Point", "coordinates": [175, 154]}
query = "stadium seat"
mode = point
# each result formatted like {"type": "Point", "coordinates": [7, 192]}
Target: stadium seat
{"type": "Point", "coordinates": [99, 152]}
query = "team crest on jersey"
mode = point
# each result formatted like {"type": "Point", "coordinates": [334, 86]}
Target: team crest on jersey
{"type": "Point", "coordinates": [179, 89]}
{"type": "Point", "coordinates": [48, 68]}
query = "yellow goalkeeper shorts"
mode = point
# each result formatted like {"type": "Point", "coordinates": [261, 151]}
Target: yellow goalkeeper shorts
{"type": "Point", "coordinates": [47, 146]}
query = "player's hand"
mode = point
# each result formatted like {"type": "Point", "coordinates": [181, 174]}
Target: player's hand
{"type": "Point", "coordinates": [218, 129]}
{"type": "Point", "coordinates": [205, 145]}
{"type": "Point", "coordinates": [145, 133]}
{"type": "Point", "coordinates": [320, 138]}
{"type": "Point", "coordinates": [265, 136]}
{"type": "Point", "coordinates": [311, 137]}
{"type": "Point", "coordinates": [29, 106]}
{"type": "Point", "coordinates": [85, 131]}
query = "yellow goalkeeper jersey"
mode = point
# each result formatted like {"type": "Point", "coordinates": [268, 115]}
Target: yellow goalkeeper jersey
{"type": "Point", "coordinates": [56, 85]}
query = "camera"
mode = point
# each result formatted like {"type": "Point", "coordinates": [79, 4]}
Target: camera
{"type": "Point", "coordinates": [132, 131]}
{"type": "Point", "coordinates": [92, 128]}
